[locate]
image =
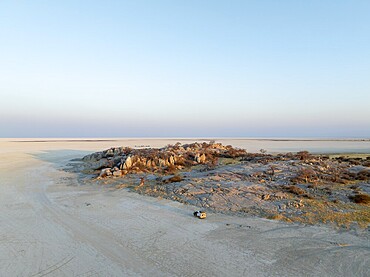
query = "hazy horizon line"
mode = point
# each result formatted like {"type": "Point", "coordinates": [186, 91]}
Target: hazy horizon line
{"type": "Point", "coordinates": [269, 138]}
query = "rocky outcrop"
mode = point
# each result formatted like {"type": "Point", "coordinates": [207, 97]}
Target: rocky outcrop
{"type": "Point", "coordinates": [298, 187]}
{"type": "Point", "coordinates": [163, 160]}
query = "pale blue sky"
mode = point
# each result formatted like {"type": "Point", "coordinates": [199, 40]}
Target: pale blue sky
{"type": "Point", "coordinates": [185, 68]}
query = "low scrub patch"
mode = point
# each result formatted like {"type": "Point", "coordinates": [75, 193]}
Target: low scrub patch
{"type": "Point", "coordinates": [360, 198]}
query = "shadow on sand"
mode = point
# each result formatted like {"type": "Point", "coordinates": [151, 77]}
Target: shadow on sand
{"type": "Point", "coordinates": [60, 157]}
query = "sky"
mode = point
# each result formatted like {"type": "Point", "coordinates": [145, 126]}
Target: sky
{"type": "Point", "coordinates": [194, 68]}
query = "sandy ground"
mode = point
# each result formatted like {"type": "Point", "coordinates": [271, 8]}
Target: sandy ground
{"type": "Point", "coordinates": [52, 226]}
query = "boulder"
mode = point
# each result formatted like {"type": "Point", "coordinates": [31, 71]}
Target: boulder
{"type": "Point", "coordinates": [117, 173]}
{"type": "Point", "coordinates": [168, 163]}
{"type": "Point", "coordinates": [128, 163]}
{"type": "Point", "coordinates": [197, 158]}
{"type": "Point", "coordinates": [105, 173]}
{"type": "Point", "coordinates": [148, 163]}
{"type": "Point", "coordinates": [109, 153]}
{"type": "Point", "coordinates": [202, 158]}
{"type": "Point", "coordinates": [117, 151]}
{"type": "Point", "coordinates": [101, 164]}
{"type": "Point", "coordinates": [162, 163]}
{"type": "Point", "coordinates": [172, 160]}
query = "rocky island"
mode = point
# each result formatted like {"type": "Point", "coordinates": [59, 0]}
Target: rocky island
{"type": "Point", "coordinates": [293, 187]}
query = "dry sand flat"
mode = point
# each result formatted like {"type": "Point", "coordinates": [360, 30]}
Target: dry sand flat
{"type": "Point", "coordinates": [50, 226]}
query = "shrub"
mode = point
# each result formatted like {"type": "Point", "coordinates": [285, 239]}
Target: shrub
{"type": "Point", "coordinates": [306, 175]}
{"type": "Point", "coordinates": [173, 179]}
{"type": "Point", "coordinates": [171, 169]}
{"type": "Point", "coordinates": [363, 175]}
{"type": "Point", "coordinates": [360, 198]}
{"type": "Point", "coordinates": [295, 190]}
{"type": "Point", "coordinates": [303, 155]}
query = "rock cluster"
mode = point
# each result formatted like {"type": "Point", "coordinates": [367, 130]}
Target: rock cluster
{"type": "Point", "coordinates": [121, 161]}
